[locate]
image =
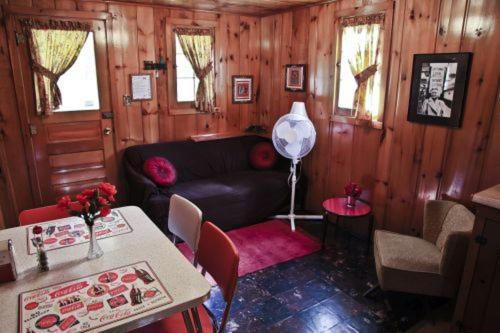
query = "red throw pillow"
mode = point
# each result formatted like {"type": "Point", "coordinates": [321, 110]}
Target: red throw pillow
{"type": "Point", "coordinates": [263, 156]}
{"type": "Point", "coordinates": [160, 171]}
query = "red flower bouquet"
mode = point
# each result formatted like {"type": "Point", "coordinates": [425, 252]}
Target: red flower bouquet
{"type": "Point", "coordinates": [91, 204]}
{"type": "Point", "coordinates": [352, 191]}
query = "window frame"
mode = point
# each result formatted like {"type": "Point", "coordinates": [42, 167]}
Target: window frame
{"type": "Point", "coordinates": [175, 107]}
{"type": "Point", "coordinates": [387, 8]}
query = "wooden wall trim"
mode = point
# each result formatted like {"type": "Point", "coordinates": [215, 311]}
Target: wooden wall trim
{"type": "Point", "coordinates": [20, 10]}
{"type": "Point", "coordinates": [405, 164]}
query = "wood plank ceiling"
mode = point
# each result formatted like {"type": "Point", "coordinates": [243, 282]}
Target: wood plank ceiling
{"type": "Point", "coordinates": [249, 7]}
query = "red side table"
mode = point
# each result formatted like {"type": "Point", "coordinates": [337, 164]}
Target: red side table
{"type": "Point", "coordinates": [337, 206]}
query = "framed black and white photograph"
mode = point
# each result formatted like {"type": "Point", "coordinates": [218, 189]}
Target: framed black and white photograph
{"type": "Point", "coordinates": [295, 78]}
{"type": "Point", "coordinates": [438, 88]}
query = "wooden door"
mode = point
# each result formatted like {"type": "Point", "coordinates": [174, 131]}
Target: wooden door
{"type": "Point", "coordinates": [67, 151]}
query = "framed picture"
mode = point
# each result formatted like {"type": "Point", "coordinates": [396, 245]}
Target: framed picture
{"type": "Point", "coordinates": [140, 87]}
{"type": "Point", "coordinates": [295, 78]}
{"type": "Point", "coordinates": [438, 88]}
{"type": "Point", "coordinates": [242, 89]}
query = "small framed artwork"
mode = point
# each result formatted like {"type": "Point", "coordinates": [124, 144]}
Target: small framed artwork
{"type": "Point", "coordinates": [141, 87]}
{"type": "Point", "coordinates": [242, 89]}
{"type": "Point", "coordinates": [438, 88]}
{"type": "Point", "coordinates": [295, 78]}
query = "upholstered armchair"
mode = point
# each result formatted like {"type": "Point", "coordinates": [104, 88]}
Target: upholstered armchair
{"type": "Point", "coordinates": [431, 265]}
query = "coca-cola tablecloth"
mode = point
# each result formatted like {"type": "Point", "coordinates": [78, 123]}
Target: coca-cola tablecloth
{"type": "Point", "coordinates": [91, 302]}
{"type": "Point", "coordinates": [73, 231]}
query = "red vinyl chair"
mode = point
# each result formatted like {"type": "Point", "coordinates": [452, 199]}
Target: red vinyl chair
{"type": "Point", "coordinates": [41, 214]}
{"type": "Point", "coordinates": [218, 256]}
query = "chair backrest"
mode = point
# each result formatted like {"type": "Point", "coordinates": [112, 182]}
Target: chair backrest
{"type": "Point", "coordinates": [458, 220]}
{"type": "Point", "coordinates": [41, 214]}
{"type": "Point", "coordinates": [219, 257]}
{"type": "Point", "coordinates": [184, 220]}
{"type": "Point", "coordinates": [441, 218]}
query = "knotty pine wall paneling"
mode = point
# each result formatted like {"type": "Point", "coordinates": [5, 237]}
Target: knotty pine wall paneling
{"type": "Point", "coordinates": [250, 63]}
{"type": "Point", "coordinates": [137, 34]}
{"type": "Point", "coordinates": [15, 186]}
{"type": "Point", "coordinates": [404, 164]}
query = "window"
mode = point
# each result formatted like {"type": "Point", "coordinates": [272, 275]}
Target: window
{"type": "Point", "coordinates": [64, 68]}
{"type": "Point", "coordinates": [362, 66]}
{"type": "Point", "coordinates": [78, 86]}
{"type": "Point", "coordinates": [191, 81]}
{"type": "Point", "coordinates": [186, 80]}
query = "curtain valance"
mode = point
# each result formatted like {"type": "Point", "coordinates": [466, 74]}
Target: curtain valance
{"type": "Point", "coordinates": [30, 23]}
{"type": "Point", "coordinates": [362, 20]}
{"type": "Point", "coordinates": [194, 31]}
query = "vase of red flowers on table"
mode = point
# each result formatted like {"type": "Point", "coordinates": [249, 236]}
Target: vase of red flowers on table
{"type": "Point", "coordinates": [352, 191]}
{"type": "Point", "coordinates": [91, 204]}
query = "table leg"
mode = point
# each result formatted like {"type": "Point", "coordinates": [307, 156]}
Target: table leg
{"type": "Point", "coordinates": [187, 321]}
{"type": "Point", "coordinates": [325, 229]}
{"type": "Point", "coordinates": [370, 232]}
{"type": "Point", "coordinates": [337, 221]}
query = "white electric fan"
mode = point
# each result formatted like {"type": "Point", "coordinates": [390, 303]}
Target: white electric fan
{"type": "Point", "coordinates": [293, 137]}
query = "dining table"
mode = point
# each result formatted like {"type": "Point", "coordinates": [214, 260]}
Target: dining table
{"type": "Point", "coordinates": [145, 242]}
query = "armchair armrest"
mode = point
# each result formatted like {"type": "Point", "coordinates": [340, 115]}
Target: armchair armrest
{"type": "Point", "coordinates": [453, 255]}
{"type": "Point", "coordinates": [141, 187]}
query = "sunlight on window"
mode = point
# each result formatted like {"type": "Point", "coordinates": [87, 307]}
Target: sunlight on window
{"type": "Point", "coordinates": [186, 80]}
{"type": "Point", "coordinates": [355, 39]}
{"type": "Point", "coordinates": [79, 90]}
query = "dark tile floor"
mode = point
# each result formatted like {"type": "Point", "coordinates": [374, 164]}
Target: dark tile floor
{"type": "Point", "coordinates": [321, 292]}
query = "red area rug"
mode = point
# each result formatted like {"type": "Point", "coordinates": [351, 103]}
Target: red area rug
{"type": "Point", "coordinates": [266, 244]}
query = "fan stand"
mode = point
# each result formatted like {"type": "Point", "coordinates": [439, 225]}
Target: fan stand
{"type": "Point", "coordinates": [292, 216]}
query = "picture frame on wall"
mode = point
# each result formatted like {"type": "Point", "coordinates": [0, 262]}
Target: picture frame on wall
{"type": "Point", "coordinates": [295, 78]}
{"type": "Point", "coordinates": [141, 88]}
{"type": "Point", "coordinates": [242, 89]}
{"type": "Point", "coordinates": [438, 88]}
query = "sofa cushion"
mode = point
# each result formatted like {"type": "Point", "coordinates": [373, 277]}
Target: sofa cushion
{"type": "Point", "coordinates": [160, 171]}
{"type": "Point", "coordinates": [244, 197]}
{"type": "Point", "coordinates": [263, 156]}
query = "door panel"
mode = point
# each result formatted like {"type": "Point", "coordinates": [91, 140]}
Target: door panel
{"type": "Point", "coordinates": [67, 150]}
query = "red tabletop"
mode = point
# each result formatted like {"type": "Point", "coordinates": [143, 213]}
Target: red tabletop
{"type": "Point", "coordinates": [339, 207]}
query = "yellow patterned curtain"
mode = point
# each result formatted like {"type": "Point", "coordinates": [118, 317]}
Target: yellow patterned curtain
{"type": "Point", "coordinates": [364, 32]}
{"type": "Point", "coordinates": [54, 48]}
{"type": "Point", "coordinates": [198, 47]}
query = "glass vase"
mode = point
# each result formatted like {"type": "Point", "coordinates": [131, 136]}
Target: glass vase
{"type": "Point", "coordinates": [95, 250]}
{"type": "Point", "coordinates": [43, 261]}
{"type": "Point", "coordinates": [351, 201]}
